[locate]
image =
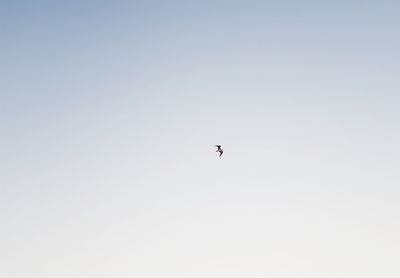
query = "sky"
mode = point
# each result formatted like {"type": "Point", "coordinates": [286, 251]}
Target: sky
{"type": "Point", "coordinates": [110, 110]}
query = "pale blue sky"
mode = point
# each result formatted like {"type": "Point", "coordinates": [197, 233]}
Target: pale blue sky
{"type": "Point", "coordinates": [110, 110]}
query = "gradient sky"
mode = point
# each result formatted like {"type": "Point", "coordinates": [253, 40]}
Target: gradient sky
{"type": "Point", "coordinates": [110, 110]}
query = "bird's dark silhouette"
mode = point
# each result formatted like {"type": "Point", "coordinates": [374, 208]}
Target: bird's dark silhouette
{"type": "Point", "coordinates": [219, 149]}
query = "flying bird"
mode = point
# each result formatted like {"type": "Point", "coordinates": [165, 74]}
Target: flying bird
{"type": "Point", "coordinates": [219, 149]}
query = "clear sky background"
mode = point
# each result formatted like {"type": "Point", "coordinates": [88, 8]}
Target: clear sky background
{"type": "Point", "coordinates": [109, 111]}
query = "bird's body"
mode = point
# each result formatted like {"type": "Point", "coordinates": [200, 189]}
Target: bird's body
{"type": "Point", "coordinates": [219, 149]}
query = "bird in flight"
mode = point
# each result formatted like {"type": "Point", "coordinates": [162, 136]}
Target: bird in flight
{"type": "Point", "coordinates": [219, 149]}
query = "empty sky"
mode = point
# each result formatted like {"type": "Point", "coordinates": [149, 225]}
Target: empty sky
{"type": "Point", "coordinates": [109, 111]}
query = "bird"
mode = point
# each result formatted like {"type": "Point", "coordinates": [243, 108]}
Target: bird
{"type": "Point", "coordinates": [219, 149]}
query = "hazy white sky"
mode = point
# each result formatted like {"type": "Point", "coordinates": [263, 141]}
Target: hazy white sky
{"type": "Point", "coordinates": [110, 110]}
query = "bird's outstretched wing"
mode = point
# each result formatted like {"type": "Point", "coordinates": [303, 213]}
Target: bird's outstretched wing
{"type": "Point", "coordinates": [218, 146]}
